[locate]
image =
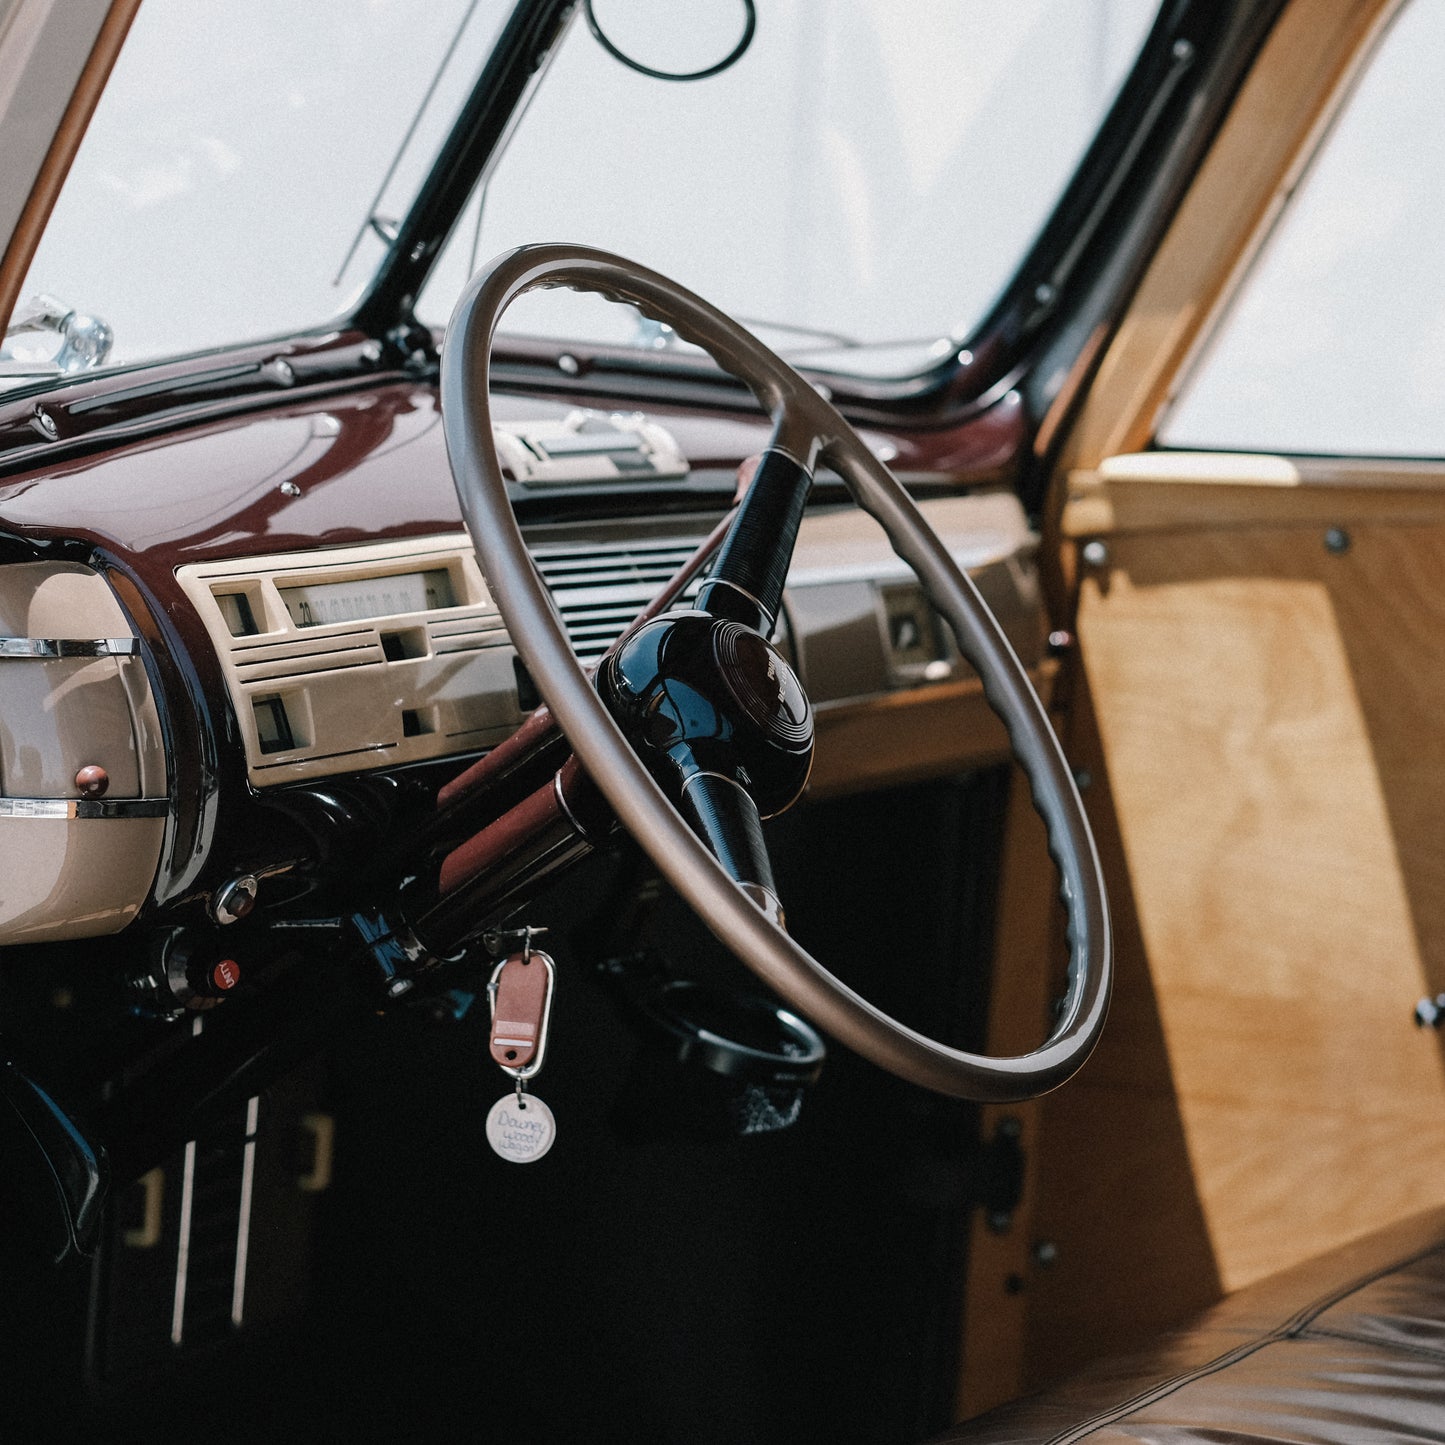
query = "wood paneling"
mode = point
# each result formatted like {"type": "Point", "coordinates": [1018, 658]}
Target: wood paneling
{"type": "Point", "coordinates": [1169, 491]}
{"type": "Point", "coordinates": [1114, 1194]}
{"type": "Point", "coordinates": [1272, 720]}
{"type": "Point", "coordinates": [1109, 1244]}
{"type": "Point", "coordinates": [995, 1307]}
{"type": "Point", "coordinates": [914, 733]}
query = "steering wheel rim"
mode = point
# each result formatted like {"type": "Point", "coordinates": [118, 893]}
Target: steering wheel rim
{"type": "Point", "coordinates": [810, 429]}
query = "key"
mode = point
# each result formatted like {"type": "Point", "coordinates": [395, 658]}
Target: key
{"type": "Point", "coordinates": [520, 1127]}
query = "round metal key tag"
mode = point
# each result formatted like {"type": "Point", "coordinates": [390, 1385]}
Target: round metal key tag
{"type": "Point", "coordinates": [521, 1129]}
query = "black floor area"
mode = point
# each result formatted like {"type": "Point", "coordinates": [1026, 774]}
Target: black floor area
{"type": "Point", "coordinates": [650, 1279]}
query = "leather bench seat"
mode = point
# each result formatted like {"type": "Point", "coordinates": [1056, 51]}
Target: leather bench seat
{"type": "Point", "coordinates": [1348, 1349]}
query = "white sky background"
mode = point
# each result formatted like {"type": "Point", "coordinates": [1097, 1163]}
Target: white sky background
{"type": "Point", "coordinates": [1337, 341]}
{"type": "Point", "coordinates": [871, 167]}
{"type": "Point", "coordinates": [874, 167]}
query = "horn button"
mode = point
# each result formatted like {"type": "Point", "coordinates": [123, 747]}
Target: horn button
{"type": "Point", "coordinates": [701, 694]}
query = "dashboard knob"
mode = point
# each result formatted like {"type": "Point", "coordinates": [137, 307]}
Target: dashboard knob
{"type": "Point", "coordinates": [224, 976]}
{"type": "Point", "coordinates": [208, 979]}
{"type": "Point", "coordinates": [235, 900]}
{"type": "Point", "coordinates": [92, 780]}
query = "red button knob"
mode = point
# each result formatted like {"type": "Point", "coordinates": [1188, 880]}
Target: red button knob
{"type": "Point", "coordinates": [226, 975]}
{"type": "Point", "coordinates": [92, 780]}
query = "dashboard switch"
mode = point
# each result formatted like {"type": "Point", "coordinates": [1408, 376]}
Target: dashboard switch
{"type": "Point", "coordinates": [209, 979]}
{"type": "Point", "coordinates": [235, 900]}
{"type": "Point", "coordinates": [92, 781]}
{"type": "Point", "coordinates": [225, 975]}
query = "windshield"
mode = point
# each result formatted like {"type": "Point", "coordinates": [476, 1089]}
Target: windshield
{"type": "Point", "coordinates": [226, 188]}
{"type": "Point", "coordinates": [858, 186]}
{"type": "Point", "coordinates": [868, 173]}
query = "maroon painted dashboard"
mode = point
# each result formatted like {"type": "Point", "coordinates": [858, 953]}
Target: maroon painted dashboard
{"type": "Point", "coordinates": [330, 466]}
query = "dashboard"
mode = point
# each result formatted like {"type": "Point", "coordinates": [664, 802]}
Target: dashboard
{"type": "Point", "coordinates": [253, 650]}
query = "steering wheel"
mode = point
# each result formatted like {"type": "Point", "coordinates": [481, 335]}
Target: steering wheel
{"type": "Point", "coordinates": [697, 726]}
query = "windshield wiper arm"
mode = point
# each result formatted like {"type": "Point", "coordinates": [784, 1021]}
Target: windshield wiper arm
{"type": "Point", "coordinates": [834, 338]}
{"type": "Point", "coordinates": [384, 227]}
{"type": "Point", "coordinates": [653, 335]}
{"type": "Point", "coordinates": [85, 340]}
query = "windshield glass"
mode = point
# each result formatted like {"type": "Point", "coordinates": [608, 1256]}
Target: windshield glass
{"type": "Point", "coordinates": [223, 190]}
{"type": "Point", "coordinates": [859, 186]}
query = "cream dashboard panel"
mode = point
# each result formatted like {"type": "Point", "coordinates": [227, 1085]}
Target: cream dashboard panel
{"type": "Point", "coordinates": [358, 657]}
{"type": "Point", "coordinates": [347, 659]}
{"type": "Point", "coordinates": [83, 786]}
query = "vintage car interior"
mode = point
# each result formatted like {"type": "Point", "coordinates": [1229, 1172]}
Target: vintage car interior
{"type": "Point", "coordinates": [579, 864]}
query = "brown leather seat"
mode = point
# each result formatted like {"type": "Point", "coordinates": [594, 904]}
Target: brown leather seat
{"type": "Point", "coordinates": [1349, 1348]}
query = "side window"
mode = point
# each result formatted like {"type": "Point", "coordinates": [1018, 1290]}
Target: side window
{"type": "Point", "coordinates": [1335, 343]}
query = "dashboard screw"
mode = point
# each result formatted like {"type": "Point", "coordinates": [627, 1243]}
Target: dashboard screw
{"type": "Point", "coordinates": [568, 364]}
{"type": "Point", "coordinates": [44, 423]}
{"type": "Point", "coordinates": [1337, 541]}
{"type": "Point", "coordinates": [1046, 1254]}
{"type": "Point", "coordinates": [289, 489]}
{"type": "Point", "coordinates": [1183, 49]}
{"type": "Point", "coordinates": [1095, 553]}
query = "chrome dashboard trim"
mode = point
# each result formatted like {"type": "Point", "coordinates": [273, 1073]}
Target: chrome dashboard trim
{"type": "Point", "coordinates": [84, 808]}
{"type": "Point", "coordinates": [50, 648]}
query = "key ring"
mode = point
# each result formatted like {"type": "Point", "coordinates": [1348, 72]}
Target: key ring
{"type": "Point", "coordinates": [520, 1127]}
{"type": "Point", "coordinates": [538, 1043]}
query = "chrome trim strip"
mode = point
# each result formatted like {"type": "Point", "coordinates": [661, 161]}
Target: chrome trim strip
{"type": "Point", "coordinates": [183, 1248]}
{"type": "Point", "coordinates": [769, 903]}
{"type": "Point", "coordinates": [84, 808]}
{"type": "Point", "coordinates": [243, 1224]}
{"type": "Point", "coordinates": [761, 895]}
{"type": "Point", "coordinates": [708, 582]}
{"type": "Point", "coordinates": [721, 777]}
{"type": "Point", "coordinates": [50, 648]}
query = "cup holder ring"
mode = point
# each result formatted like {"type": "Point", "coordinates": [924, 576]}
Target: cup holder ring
{"type": "Point", "coordinates": [742, 1036]}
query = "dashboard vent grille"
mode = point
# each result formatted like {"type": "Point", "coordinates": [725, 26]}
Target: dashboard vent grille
{"type": "Point", "coordinates": [466, 634]}
{"type": "Point", "coordinates": [600, 587]}
{"type": "Point", "coordinates": [307, 655]}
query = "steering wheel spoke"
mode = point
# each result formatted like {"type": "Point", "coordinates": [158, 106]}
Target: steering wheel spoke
{"type": "Point", "coordinates": [722, 813]}
{"type": "Point", "coordinates": [746, 582]}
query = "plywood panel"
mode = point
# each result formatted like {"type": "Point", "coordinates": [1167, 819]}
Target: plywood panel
{"type": "Point", "coordinates": [1115, 1196]}
{"type": "Point", "coordinates": [1159, 497]}
{"type": "Point", "coordinates": [915, 733]}
{"type": "Point", "coordinates": [1272, 717]}
{"type": "Point", "coordinates": [995, 1302]}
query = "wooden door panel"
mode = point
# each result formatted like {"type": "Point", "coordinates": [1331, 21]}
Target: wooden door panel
{"type": "Point", "coordinates": [1265, 690]}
